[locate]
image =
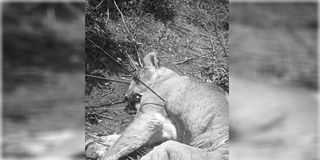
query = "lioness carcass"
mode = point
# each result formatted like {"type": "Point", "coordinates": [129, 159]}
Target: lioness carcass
{"type": "Point", "coordinates": [191, 125]}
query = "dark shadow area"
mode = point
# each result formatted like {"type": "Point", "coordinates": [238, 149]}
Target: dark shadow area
{"type": "Point", "coordinates": [99, 64]}
{"type": "Point", "coordinates": [162, 10]}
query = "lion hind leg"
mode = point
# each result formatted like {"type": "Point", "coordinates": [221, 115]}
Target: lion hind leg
{"type": "Point", "coordinates": [172, 150]}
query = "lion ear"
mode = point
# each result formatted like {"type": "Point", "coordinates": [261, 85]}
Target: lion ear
{"type": "Point", "coordinates": [151, 60]}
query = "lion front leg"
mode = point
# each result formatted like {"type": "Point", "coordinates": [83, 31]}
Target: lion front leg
{"type": "Point", "coordinates": [146, 128]}
{"type": "Point", "coordinates": [172, 150]}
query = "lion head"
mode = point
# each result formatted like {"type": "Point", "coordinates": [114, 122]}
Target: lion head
{"type": "Point", "coordinates": [150, 75]}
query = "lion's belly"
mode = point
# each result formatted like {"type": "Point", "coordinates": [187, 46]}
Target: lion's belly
{"type": "Point", "coordinates": [203, 129]}
{"type": "Point", "coordinates": [215, 134]}
{"type": "Point", "coordinates": [198, 111]}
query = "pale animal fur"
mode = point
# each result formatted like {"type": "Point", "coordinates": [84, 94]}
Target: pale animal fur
{"type": "Point", "coordinates": [192, 124]}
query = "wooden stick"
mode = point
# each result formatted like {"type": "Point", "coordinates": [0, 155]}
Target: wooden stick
{"type": "Point", "coordinates": [184, 61]}
{"type": "Point", "coordinates": [124, 22]}
{"type": "Point", "coordinates": [107, 79]}
{"type": "Point", "coordinates": [105, 117]}
{"type": "Point", "coordinates": [122, 17]}
{"type": "Point", "coordinates": [103, 105]}
{"type": "Point", "coordinates": [99, 4]}
{"type": "Point", "coordinates": [178, 68]}
{"type": "Point", "coordinates": [131, 37]}
{"type": "Point", "coordinates": [108, 12]}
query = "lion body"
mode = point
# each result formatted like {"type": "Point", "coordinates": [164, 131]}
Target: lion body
{"type": "Point", "coordinates": [192, 123]}
{"type": "Point", "coordinates": [199, 111]}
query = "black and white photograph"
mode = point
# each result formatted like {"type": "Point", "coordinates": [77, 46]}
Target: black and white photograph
{"type": "Point", "coordinates": [42, 80]}
{"type": "Point", "coordinates": [157, 79]}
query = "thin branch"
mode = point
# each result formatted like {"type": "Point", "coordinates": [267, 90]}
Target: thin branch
{"type": "Point", "coordinates": [106, 117]}
{"type": "Point", "coordinates": [107, 104]}
{"type": "Point", "coordinates": [104, 126]}
{"type": "Point", "coordinates": [217, 35]}
{"type": "Point", "coordinates": [107, 79]}
{"type": "Point", "coordinates": [131, 37]}
{"type": "Point", "coordinates": [124, 149]}
{"type": "Point", "coordinates": [135, 67]}
{"type": "Point", "coordinates": [107, 54]}
{"type": "Point", "coordinates": [108, 12]}
{"type": "Point", "coordinates": [184, 61]}
{"type": "Point", "coordinates": [99, 4]}
{"type": "Point", "coordinates": [180, 29]}
{"type": "Point", "coordinates": [87, 124]}
{"type": "Point", "coordinates": [139, 59]}
{"type": "Point", "coordinates": [124, 75]}
{"type": "Point", "coordinates": [122, 17]}
{"type": "Point", "coordinates": [178, 69]}
{"type": "Point", "coordinates": [211, 40]}
{"type": "Point", "coordinates": [92, 135]}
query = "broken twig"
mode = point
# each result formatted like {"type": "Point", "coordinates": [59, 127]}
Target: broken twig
{"type": "Point", "coordinates": [219, 40]}
{"type": "Point", "coordinates": [108, 12]}
{"type": "Point", "coordinates": [107, 79]}
{"type": "Point", "coordinates": [122, 17]}
{"type": "Point", "coordinates": [184, 61]}
{"type": "Point", "coordinates": [124, 22]}
{"type": "Point", "coordinates": [105, 117]}
{"type": "Point", "coordinates": [99, 4]}
{"type": "Point", "coordinates": [106, 104]}
{"type": "Point", "coordinates": [130, 36]}
{"type": "Point", "coordinates": [178, 68]}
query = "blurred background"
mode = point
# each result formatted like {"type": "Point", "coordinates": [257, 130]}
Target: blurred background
{"type": "Point", "coordinates": [43, 80]}
{"type": "Point", "coordinates": [273, 80]}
